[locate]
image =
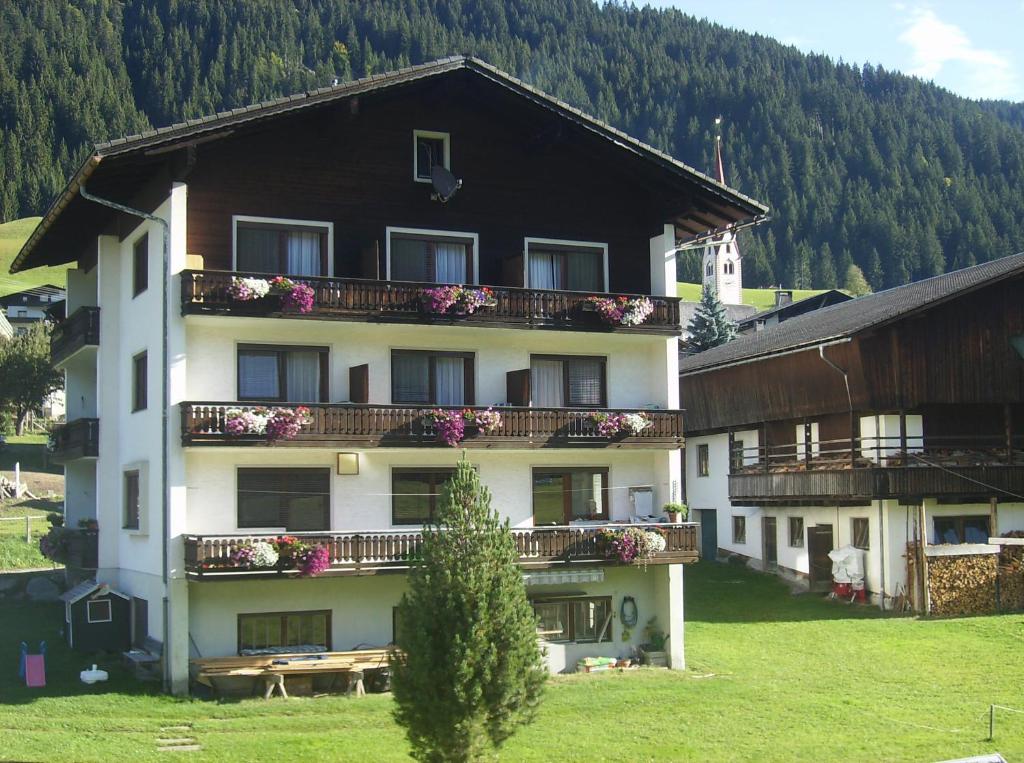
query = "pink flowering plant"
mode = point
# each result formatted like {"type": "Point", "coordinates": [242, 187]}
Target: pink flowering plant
{"type": "Point", "coordinates": [614, 424]}
{"type": "Point", "coordinates": [294, 296]}
{"type": "Point", "coordinates": [272, 423]}
{"type": "Point", "coordinates": [456, 300]}
{"type": "Point", "coordinates": [449, 426]}
{"type": "Point", "coordinates": [488, 421]}
{"type": "Point", "coordinates": [312, 560]}
{"type": "Point", "coordinates": [623, 311]}
{"type": "Point", "coordinates": [248, 289]}
{"type": "Point", "coordinates": [634, 545]}
{"type": "Point", "coordinates": [258, 553]}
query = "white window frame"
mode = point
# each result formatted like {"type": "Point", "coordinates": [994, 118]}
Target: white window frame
{"type": "Point", "coordinates": [427, 232]}
{"type": "Point", "coordinates": [88, 611]}
{"type": "Point", "coordinates": [603, 246]}
{"type": "Point", "coordinates": [284, 222]}
{"type": "Point", "coordinates": [433, 134]}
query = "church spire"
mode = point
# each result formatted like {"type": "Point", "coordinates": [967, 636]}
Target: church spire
{"type": "Point", "coordinates": [721, 264]}
{"type": "Point", "coordinates": [718, 150]}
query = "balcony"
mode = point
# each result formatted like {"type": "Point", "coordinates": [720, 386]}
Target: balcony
{"type": "Point", "coordinates": [77, 439]}
{"type": "Point", "coordinates": [79, 330]}
{"type": "Point", "coordinates": [964, 468]}
{"type": "Point", "coordinates": [206, 292]}
{"type": "Point", "coordinates": [208, 557]}
{"type": "Point", "coordinates": [397, 426]}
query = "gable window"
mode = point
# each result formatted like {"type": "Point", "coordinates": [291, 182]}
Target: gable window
{"type": "Point", "coordinates": [739, 529]}
{"type": "Point", "coordinates": [729, 268]}
{"type": "Point", "coordinates": [577, 619]}
{"type": "Point", "coordinates": [567, 381]}
{"type": "Point", "coordinates": [431, 256]}
{"type": "Point", "coordinates": [140, 266]}
{"type": "Point", "coordinates": [276, 630]}
{"type": "Point", "coordinates": [703, 460]}
{"type": "Point", "coordinates": [297, 499]}
{"type": "Point", "coordinates": [285, 247]}
{"type": "Point", "coordinates": [796, 532]}
{"type": "Point", "coordinates": [569, 265]}
{"type": "Point", "coordinates": [98, 611]}
{"type": "Point", "coordinates": [961, 529]}
{"type": "Point", "coordinates": [424, 377]}
{"type": "Point", "coordinates": [415, 493]}
{"type": "Point", "coordinates": [430, 149]}
{"type": "Point", "coordinates": [860, 531]}
{"type": "Point", "coordinates": [140, 381]}
{"type": "Point", "coordinates": [131, 501]}
{"type": "Point", "coordinates": [282, 374]}
{"type": "Point", "coordinates": [562, 495]}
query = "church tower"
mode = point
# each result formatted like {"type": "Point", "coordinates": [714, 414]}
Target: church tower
{"type": "Point", "coordinates": [721, 265]}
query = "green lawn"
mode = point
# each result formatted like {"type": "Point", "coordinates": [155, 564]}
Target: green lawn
{"type": "Point", "coordinates": [762, 299]}
{"type": "Point", "coordinates": [12, 236]}
{"type": "Point", "coordinates": [772, 678]}
{"type": "Point", "coordinates": [45, 480]}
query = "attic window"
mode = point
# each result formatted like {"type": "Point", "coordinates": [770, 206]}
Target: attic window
{"type": "Point", "coordinates": [98, 611]}
{"type": "Point", "coordinates": [429, 148]}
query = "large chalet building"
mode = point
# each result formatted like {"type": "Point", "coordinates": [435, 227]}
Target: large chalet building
{"type": "Point", "coordinates": [892, 423]}
{"type": "Point", "coordinates": [188, 365]}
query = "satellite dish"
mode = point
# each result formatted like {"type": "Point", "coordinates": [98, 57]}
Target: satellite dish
{"type": "Point", "coordinates": [445, 183]}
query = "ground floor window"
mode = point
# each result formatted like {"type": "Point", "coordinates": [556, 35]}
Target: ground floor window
{"type": "Point", "coordinates": [861, 536]}
{"type": "Point", "coordinates": [574, 620]}
{"type": "Point", "coordinates": [268, 630]}
{"type": "Point", "coordinates": [796, 532]}
{"type": "Point", "coordinates": [961, 529]}
{"type": "Point", "coordinates": [739, 529]}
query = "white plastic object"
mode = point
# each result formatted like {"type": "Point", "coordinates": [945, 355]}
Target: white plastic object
{"type": "Point", "coordinates": [92, 676]}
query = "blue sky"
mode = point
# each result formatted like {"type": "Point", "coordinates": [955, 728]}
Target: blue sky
{"type": "Point", "coordinates": [971, 47]}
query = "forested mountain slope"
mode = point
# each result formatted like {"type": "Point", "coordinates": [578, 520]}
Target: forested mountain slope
{"type": "Point", "coordinates": [858, 164]}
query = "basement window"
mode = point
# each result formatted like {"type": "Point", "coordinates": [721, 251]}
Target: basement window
{"type": "Point", "coordinates": [276, 630]}
{"type": "Point", "coordinates": [430, 149]}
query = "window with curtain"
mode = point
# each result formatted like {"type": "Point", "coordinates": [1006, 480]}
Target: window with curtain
{"type": "Point", "coordinates": [415, 492]}
{"type": "Point", "coordinates": [574, 268]}
{"type": "Point", "coordinates": [562, 495]}
{"type": "Point", "coordinates": [431, 378]}
{"type": "Point", "coordinates": [297, 499]}
{"type": "Point", "coordinates": [282, 374]}
{"type": "Point", "coordinates": [283, 629]}
{"type": "Point", "coordinates": [577, 619]}
{"type": "Point", "coordinates": [432, 259]}
{"type": "Point", "coordinates": [279, 248]}
{"type": "Point", "coordinates": [961, 529]}
{"type": "Point", "coordinates": [567, 382]}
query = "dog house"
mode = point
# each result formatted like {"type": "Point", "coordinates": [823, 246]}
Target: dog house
{"type": "Point", "coordinates": [98, 618]}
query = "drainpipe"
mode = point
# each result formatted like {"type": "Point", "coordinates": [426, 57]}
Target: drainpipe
{"type": "Point", "coordinates": [165, 392]}
{"type": "Point", "coordinates": [881, 553]}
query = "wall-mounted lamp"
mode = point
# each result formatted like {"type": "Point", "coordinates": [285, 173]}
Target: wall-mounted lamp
{"type": "Point", "coordinates": [348, 463]}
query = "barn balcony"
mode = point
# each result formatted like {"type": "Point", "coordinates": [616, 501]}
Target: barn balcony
{"type": "Point", "coordinates": [77, 332]}
{"type": "Point", "coordinates": [208, 292]}
{"type": "Point", "coordinates": [76, 439]}
{"type": "Point", "coordinates": [209, 557]}
{"type": "Point", "coordinates": [402, 426]}
{"type": "Point", "coordinates": [964, 468]}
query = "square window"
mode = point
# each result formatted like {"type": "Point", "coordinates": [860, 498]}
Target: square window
{"type": "Point", "coordinates": [430, 149]}
{"type": "Point", "coordinates": [796, 532]}
{"type": "Point", "coordinates": [739, 529]}
{"type": "Point", "coordinates": [415, 494]}
{"type": "Point", "coordinates": [425, 377]}
{"type": "Point", "coordinates": [573, 382]}
{"type": "Point", "coordinates": [98, 611]}
{"type": "Point", "coordinates": [703, 461]}
{"type": "Point", "coordinates": [561, 496]}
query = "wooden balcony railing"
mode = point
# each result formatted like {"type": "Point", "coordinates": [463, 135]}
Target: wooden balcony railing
{"type": "Point", "coordinates": [78, 330]}
{"type": "Point", "coordinates": [354, 299]}
{"type": "Point", "coordinates": [351, 425]}
{"type": "Point", "coordinates": [911, 468]}
{"type": "Point", "coordinates": [77, 439]}
{"type": "Point", "coordinates": [209, 556]}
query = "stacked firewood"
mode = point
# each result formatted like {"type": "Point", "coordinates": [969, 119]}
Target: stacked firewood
{"type": "Point", "coordinates": [1011, 589]}
{"type": "Point", "coordinates": [962, 585]}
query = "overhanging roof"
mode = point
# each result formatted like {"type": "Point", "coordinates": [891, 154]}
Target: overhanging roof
{"type": "Point", "coordinates": [729, 206]}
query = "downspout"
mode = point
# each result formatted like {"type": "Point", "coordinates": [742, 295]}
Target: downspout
{"type": "Point", "coordinates": [165, 392]}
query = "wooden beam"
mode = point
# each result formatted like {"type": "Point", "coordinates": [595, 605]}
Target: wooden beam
{"type": "Point", "coordinates": [993, 516]}
{"type": "Point", "coordinates": [922, 522]}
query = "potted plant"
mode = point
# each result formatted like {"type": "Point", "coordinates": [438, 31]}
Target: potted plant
{"type": "Point", "coordinates": [676, 511]}
{"type": "Point", "coordinates": [652, 652]}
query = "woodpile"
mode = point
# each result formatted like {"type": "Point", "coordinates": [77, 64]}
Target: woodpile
{"type": "Point", "coordinates": [1011, 589]}
{"type": "Point", "coordinates": [962, 585]}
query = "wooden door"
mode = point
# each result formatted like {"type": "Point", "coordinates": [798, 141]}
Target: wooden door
{"type": "Point", "coordinates": [769, 543]}
{"type": "Point", "coordinates": [819, 543]}
{"type": "Point", "coordinates": [140, 621]}
{"type": "Point", "coordinates": [709, 534]}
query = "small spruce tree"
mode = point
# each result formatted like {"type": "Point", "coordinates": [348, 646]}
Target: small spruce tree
{"type": "Point", "coordinates": [709, 326]}
{"type": "Point", "coordinates": [470, 669]}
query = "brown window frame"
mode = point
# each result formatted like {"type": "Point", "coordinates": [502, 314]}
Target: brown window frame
{"type": "Point", "coordinates": [284, 624]}
{"type": "Point", "coordinates": [565, 360]}
{"type": "Point", "coordinates": [854, 532]}
{"type": "Point", "coordinates": [796, 532]}
{"type": "Point", "coordinates": [433, 497]}
{"type": "Point", "coordinates": [140, 381]}
{"type": "Point", "coordinates": [958, 521]}
{"type": "Point", "coordinates": [282, 371]}
{"type": "Point", "coordinates": [565, 473]}
{"type": "Point", "coordinates": [283, 229]}
{"type": "Point", "coordinates": [140, 265]}
{"type": "Point", "coordinates": [703, 460]}
{"type": "Point", "coordinates": [739, 529]}
{"type": "Point", "coordinates": [130, 519]}
{"type": "Point", "coordinates": [432, 240]}
{"type": "Point", "coordinates": [325, 470]}
{"type": "Point", "coordinates": [736, 456]}
{"type": "Point", "coordinates": [570, 619]}
{"type": "Point", "coordinates": [468, 370]}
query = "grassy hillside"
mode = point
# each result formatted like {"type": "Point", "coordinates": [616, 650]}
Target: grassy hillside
{"type": "Point", "coordinates": [12, 236]}
{"type": "Point", "coordinates": [762, 299]}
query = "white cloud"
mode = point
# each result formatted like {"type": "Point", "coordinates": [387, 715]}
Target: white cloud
{"type": "Point", "coordinates": [937, 45]}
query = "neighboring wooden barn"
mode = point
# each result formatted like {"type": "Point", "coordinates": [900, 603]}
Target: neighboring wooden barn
{"type": "Point", "coordinates": [98, 618]}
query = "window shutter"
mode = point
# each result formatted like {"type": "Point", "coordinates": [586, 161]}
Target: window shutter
{"type": "Point", "coordinates": [585, 382]}
{"type": "Point", "coordinates": [517, 387]}
{"type": "Point", "coordinates": [359, 384]}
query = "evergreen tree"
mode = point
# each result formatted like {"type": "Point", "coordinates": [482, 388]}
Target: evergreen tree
{"type": "Point", "coordinates": [26, 376]}
{"type": "Point", "coordinates": [470, 669]}
{"type": "Point", "coordinates": [855, 282]}
{"type": "Point", "coordinates": [709, 326]}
